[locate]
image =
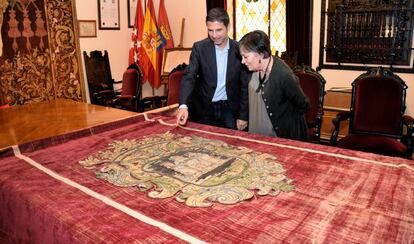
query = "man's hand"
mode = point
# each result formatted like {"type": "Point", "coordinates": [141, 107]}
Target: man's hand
{"type": "Point", "coordinates": [241, 124]}
{"type": "Point", "coordinates": [182, 116]}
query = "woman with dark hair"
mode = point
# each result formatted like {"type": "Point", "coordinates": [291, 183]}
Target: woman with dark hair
{"type": "Point", "coordinates": [277, 104]}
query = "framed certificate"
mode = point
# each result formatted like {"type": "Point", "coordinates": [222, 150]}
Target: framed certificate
{"type": "Point", "coordinates": [108, 11]}
{"type": "Point", "coordinates": [173, 57]}
{"type": "Point", "coordinates": [132, 11]}
{"type": "Point", "coordinates": [87, 28]}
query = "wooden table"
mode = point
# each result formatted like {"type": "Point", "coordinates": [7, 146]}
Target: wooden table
{"type": "Point", "coordinates": [339, 196]}
{"type": "Point", "coordinates": [20, 124]}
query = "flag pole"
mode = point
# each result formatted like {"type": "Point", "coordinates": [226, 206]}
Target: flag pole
{"type": "Point", "coordinates": [180, 44]}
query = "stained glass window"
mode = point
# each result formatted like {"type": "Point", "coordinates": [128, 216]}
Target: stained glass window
{"type": "Point", "coordinates": [254, 15]}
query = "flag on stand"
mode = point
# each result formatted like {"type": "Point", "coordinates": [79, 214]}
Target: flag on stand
{"type": "Point", "coordinates": [137, 54]}
{"type": "Point", "coordinates": [164, 26]}
{"type": "Point", "coordinates": [152, 42]}
{"type": "Point", "coordinates": [136, 36]}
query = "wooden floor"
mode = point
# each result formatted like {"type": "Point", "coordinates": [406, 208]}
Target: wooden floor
{"type": "Point", "coordinates": [20, 124]}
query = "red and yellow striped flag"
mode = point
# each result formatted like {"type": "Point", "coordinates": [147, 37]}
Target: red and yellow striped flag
{"type": "Point", "coordinates": [152, 42]}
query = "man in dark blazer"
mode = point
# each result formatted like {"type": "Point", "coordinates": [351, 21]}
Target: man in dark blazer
{"type": "Point", "coordinates": [214, 86]}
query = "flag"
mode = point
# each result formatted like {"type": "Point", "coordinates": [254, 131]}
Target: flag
{"type": "Point", "coordinates": [152, 42]}
{"type": "Point", "coordinates": [136, 36]}
{"type": "Point", "coordinates": [164, 27]}
{"type": "Point", "coordinates": [137, 54]}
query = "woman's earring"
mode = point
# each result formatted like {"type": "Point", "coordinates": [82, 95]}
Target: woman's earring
{"type": "Point", "coordinates": [260, 61]}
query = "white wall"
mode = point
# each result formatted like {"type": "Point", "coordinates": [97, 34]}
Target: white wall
{"type": "Point", "coordinates": [117, 42]}
{"type": "Point", "coordinates": [335, 78]}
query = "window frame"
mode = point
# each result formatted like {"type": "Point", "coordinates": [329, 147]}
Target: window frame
{"type": "Point", "coordinates": [345, 63]}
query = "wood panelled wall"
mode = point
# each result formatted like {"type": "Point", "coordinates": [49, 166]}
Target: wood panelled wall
{"type": "Point", "coordinates": [39, 58]}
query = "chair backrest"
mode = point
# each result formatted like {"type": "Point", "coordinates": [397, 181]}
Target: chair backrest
{"type": "Point", "coordinates": [313, 85]}
{"type": "Point", "coordinates": [174, 80]}
{"type": "Point", "coordinates": [132, 76]}
{"type": "Point", "coordinates": [131, 90]}
{"type": "Point", "coordinates": [291, 59]}
{"type": "Point", "coordinates": [378, 103]}
{"type": "Point", "coordinates": [130, 83]}
{"type": "Point", "coordinates": [98, 71]}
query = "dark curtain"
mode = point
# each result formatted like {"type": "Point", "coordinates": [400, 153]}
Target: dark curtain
{"type": "Point", "coordinates": [215, 4]}
{"type": "Point", "coordinates": [299, 29]}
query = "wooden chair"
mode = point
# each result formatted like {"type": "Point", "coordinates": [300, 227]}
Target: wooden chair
{"type": "Point", "coordinates": [98, 73]}
{"type": "Point", "coordinates": [131, 90]}
{"type": "Point", "coordinates": [313, 85]}
{"type": "Point", "coordinates": [377, 116]}
{"type": "Point", "coordinates": [131, 93]}
{"type": "Point", "coordinates": [174, 81]}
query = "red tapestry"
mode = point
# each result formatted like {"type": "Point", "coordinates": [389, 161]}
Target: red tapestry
{"type": "Point", "coordinates": [340, 196]}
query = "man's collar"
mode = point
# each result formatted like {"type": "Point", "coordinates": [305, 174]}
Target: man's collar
{"type": "Point", "coordinates": [227, 47]}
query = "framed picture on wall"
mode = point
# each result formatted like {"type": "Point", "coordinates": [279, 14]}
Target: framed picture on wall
{"type": "Point", "coordinates": [108, 11]}
{"type": "Point", "coordinates": [173, 57]}
{"type": "Point", "coordinates": [87, 28]}
{"type": "Point", "coordinates": [132, 11]}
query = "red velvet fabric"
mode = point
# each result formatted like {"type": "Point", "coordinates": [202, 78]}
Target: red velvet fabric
{"type": "Point", "coordinates": [130, 82]}
{"type": "Point", "coordinates": [5, 106]}
{"type": "Point", "coordinates": [130, 86]}
{"type": "Point", "coordinates": [38, 209]}
{"type": "Point", "coordinates": [311, 85]}
{"type": "Point", "coordinates": [375, 144]}
{"type": "Point", "coordinates": [378, 105]}
{"type": "Point", "coordinates": [174, 81]}
{"type": "Point", "coordinates": [336, 200]}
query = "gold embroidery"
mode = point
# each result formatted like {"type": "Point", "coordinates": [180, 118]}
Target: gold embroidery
{"type": "Point", "coordinates": [197, 171]}
{"type": "Point", "coordinates": [44, 64]}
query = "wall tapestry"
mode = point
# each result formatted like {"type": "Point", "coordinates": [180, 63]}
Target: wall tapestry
{"type": "Point", "coordinates": [39, 58]}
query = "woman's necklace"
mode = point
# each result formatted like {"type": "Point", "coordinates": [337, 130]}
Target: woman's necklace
{"type": "Point", "coordinates": [261, 80]}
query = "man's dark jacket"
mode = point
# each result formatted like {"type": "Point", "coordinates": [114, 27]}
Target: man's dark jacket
{"type": "Point", "coordinates": [200, 80]}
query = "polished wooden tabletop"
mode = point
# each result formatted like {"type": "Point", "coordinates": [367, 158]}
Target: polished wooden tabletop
{"type": "Point", "coordinates": [20, 124]}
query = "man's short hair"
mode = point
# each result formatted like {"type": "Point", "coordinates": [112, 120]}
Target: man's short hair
{"type": "Point", "coordinates": [219, 15]}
